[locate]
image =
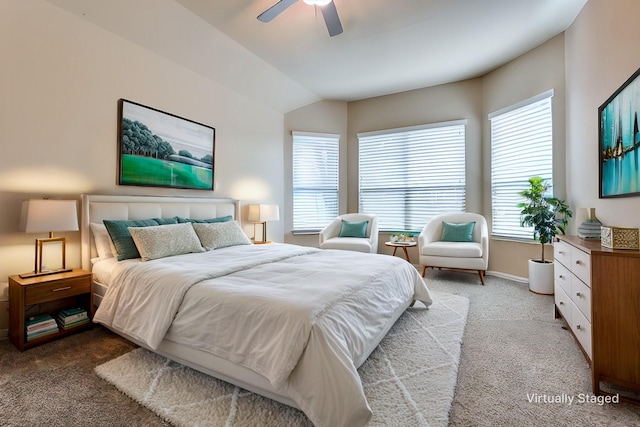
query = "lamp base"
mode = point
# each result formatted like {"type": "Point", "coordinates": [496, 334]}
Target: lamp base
{"type": "Point", "coordinates": [260, 242]}
{"type": "Point", "coordinates": [44, 273]}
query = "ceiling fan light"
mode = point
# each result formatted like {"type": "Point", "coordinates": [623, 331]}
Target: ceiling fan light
{"type": "Point", "coordinates": [317, 2]}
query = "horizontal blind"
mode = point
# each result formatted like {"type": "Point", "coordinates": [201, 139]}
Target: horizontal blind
{"type": "Point", "coordinates": [315, 180]}
{"type": "Point", "coordinates": [521, 147]}
{"type": "Point", "coordinates": [409, 175]}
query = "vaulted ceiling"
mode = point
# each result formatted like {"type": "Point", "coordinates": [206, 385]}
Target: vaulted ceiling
{"type": "Point", "coordinates": [389, 46]}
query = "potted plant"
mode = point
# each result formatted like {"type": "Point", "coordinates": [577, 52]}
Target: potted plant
{"type": "Point", "coordinates": [548, 216]}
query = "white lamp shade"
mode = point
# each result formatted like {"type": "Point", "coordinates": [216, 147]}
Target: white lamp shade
{"type": "Point", "coordinates": [44, 216]}
{"type": "Point", "coordinates": [263, 213]}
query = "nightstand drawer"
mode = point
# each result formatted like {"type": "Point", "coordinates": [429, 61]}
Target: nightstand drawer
{"type": "Point", "coordinates": [52, 291]}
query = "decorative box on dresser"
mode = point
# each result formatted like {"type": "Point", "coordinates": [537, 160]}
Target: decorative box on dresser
{"type": "Point", "coordinates": [597, 291]}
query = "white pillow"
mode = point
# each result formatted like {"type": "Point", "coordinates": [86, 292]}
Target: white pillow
{"type": "Point", "coordinates": [220, 235]}
{"type": "Point", "coordinates": [102, 240]}
{"type": "Point", "coordinates": [165, 240]}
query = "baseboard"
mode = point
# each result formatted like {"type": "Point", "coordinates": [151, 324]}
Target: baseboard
{"type": "Point", "coordinates": [507, 276]}
{"type": "Point", "coordinates": [4, 333]}
{"type": "Point", "coordinates": [492, 273]}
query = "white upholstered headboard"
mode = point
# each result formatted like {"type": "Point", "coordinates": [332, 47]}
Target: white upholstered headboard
{"type": "Point", "coordinates": [96, 208]}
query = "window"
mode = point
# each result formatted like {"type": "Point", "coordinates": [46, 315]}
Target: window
{"type": "Point", "coordinates": [315, 180]}
{"type": "Point", "coordinates": [409, 175]}
{"type": "Point", "coordinates": [521, 147]}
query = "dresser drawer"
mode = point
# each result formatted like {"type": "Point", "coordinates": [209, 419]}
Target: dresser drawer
{"type": "Point", "coordinates": [563, 302]}
{"type": "Point", "coordinates": [562, 253]}
{"type": "Point", "coordinates": [581, 265]}
{"type": "Point", "coordinates": [52, 291]}
{"type": "Point", "coordinates": [581, 328]}
{"type": "Point", "coordinates": [581, 297]}
{"type": "Point", "coordinates": [562, 277]}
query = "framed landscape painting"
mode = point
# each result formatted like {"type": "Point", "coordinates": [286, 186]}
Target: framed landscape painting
{"type": "Point", "coordinates": [620, 141]}
{"type": "Point", "coordinates": [159, 149]}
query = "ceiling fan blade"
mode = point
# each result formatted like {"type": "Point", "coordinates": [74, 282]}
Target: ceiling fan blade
{"type": "Point", "coordinates": [331, 18]}
{"type": "Point", "coordinates": [275, 10]}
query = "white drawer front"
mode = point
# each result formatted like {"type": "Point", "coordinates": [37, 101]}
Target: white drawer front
{"type": "Point", "coordinates": [581, 296]}
{"type": "Point", "coordinates": [562, 277]}
{"type": "Point", "coordinates": [582, 329]}
{"type": "Point", "coordinates": [562, 253]}
{"type": "Point", "coordinates": [581, 265]}
{"type": "Point", "coordinates": [563, 302]}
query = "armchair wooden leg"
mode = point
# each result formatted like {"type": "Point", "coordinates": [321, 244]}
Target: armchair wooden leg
{"type": "Point", "coordinates": [424, 268]}
{"type": "Point", "coordinates": [481, 273]}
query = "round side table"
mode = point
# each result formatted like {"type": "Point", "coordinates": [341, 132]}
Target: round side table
{"type": "Point", "coordinates": [403, 245]}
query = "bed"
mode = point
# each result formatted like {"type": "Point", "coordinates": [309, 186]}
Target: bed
{"type": "Point", "coordinates": [287, 322]}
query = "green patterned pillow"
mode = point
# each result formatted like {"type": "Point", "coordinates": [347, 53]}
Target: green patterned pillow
{"type": "Point", "coordinates": [121, 238]}
{"type": "Point", "coordinates": [165, 240]}
{"type": "Point", "coordinates": [457, 232]}
{"type": "Point", "coordinates": [220, 235]}
{"type": "Point", "coordinates": [353, 229]}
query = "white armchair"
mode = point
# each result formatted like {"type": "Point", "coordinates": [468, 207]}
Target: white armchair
{"type": "Point", "coordinates": [330, 235]}
{"type": "Point", "coordinates": [472, 255]}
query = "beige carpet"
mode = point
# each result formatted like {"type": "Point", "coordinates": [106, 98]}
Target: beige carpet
{"type": "Point", "coordinates": [409, 380]}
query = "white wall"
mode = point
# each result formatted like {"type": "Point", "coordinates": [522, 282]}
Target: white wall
{"type": "Point", "coordinates": [61, 79]}
{"type": "Point", "coordinates": [601, 54]}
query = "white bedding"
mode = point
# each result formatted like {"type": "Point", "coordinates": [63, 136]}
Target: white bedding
{"type": "Point", "coordinates": [301, 317]}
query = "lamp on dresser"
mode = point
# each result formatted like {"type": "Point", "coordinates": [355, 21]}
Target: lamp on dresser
{"type": "Point", "coordinates": [48, 216]}
{"type": "Point", "coordinates": [260, 214]}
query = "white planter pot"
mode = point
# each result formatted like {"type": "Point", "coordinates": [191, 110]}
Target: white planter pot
{"type": "Point", "coordinates": [541, 277]}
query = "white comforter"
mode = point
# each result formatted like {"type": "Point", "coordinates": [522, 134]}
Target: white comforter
{"type": "Point", "coordinates": [303, 318]}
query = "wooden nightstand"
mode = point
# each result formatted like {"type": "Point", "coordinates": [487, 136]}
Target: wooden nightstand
{"type": "Point", "coordinates": [47, 294]}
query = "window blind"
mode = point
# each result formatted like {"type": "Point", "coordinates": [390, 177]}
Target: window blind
{"type": "Point", "coordinates": [315, 180]}
{"type": "Point", "coordinates": [521, 147]}
{"type": "Point", "coordinates": [409, 175]}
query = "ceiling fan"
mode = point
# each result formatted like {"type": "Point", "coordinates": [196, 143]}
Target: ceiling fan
{"type": "Point", "coordinates": [328, 8]}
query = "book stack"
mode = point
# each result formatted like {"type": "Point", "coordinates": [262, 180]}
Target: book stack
{"type": "Point", "coordinates": [41, 325]}
{"type": "Point", "coordinates": [72, 317]}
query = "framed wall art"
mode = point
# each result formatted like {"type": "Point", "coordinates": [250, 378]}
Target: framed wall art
{"type": "Point", "coordinates": [159, 149]}
{"type": "Point", "coordinates": [619, 141]}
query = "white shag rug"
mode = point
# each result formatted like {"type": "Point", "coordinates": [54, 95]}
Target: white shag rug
{"type": "Point", "coordinates": [409, 379]}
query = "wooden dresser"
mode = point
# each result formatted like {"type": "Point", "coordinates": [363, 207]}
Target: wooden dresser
{"type": "Point", "coordinates": [597, 291]}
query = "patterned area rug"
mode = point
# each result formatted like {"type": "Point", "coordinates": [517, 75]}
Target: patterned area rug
{"type": "Point", "coordinates": [409, 379]}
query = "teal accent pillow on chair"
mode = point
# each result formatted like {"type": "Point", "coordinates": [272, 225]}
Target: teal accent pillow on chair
{"type": "Point", "coordinates": [462, 232]}
{"type": "Point", "coordinates": [353, 229]}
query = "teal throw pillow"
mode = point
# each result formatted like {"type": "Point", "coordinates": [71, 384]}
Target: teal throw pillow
{"type": "Point", "coordinates": [166, 221]}
{"type": "Point", "coordinates": [206, 221]}
{"type": "Point", "coordinates": [121, 237]}
{"type": "Point", "coordinates": [353, 229]}
{"type": "Point", "coordinates": [462, 232]}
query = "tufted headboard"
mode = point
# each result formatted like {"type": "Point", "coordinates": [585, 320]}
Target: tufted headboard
{"type": "Point", "coordinates": [96, 208]}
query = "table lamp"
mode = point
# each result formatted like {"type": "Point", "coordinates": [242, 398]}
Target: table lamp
{"type": "Point", "coordinates": [260, 214]}
{"type": "Point", "coordinates": [47, 216]}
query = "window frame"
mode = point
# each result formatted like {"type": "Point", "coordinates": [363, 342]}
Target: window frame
{"type": "Point", "coordinates": [321, 187]}
{"type": "Point", "coordinates": [505, 204]}
{"type": "Point", "coordinates": [416, 212]}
